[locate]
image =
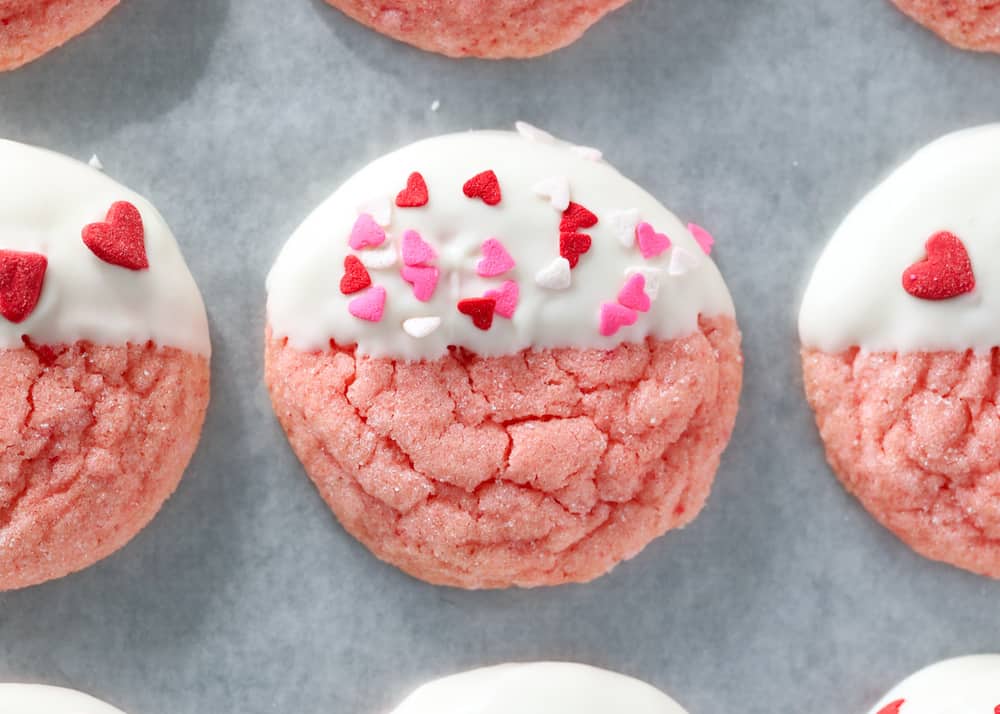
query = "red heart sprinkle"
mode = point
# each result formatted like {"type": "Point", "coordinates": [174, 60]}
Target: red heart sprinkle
{"type": "Point", "coordinates": [485, 186]}
{"type": "Point", "coordinates": [21, 278]}
{"type": "Point", "coordinates": [415, 194]}
{"type": "Point", "coordinates": [120, 239]}
{"type": "Point", "coordinates": [572, 246]}
{"type": "Point", "coordinates": [944, 274]}
{"type": "Point", "coordinates": [576, 217]}
{"type": "Point", "coordinates": [893, 708]}
{"type": "Point", "coordinates": [480, 310]}
{"type": "Point", "coordinates": [356, 277]}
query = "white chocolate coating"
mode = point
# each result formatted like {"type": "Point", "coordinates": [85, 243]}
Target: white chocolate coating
{"type": "Point", "coordinates": [539, 688]}
{"type": "Point", "coordinates": [855, 297]}
{"type": "Point", "coordinates": [967, 685]}
{"type": "Point", "coordinates": [46, 200]}
{"type": "Point", "coordinates": [39, 699]}
{"type": "Point", "coordinates": [306, 306]}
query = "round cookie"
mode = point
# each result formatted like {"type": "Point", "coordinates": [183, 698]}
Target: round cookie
{"type": "Point", "coordinates": [538, 688]}
{"type": "Point", "coordinates": [900, 332]}
{"type": "Point", "coordinates": [967, 685]}
{"type": "Point", "coordinates": [30, 28]}
{"type": "Point", "coordinates": [490, 29]}
{"type": "Point", "coordinates": [501, 362]}
{"type": "Point", "coordinates": [969, 24]}
{"type": "Point", "coordinates": [40, 699]}
{"type": "Point", "coordinates": [104, 365]}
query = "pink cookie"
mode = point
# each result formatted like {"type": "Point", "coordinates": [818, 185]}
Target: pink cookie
{"type": "Point", "coordinates": [30, 28]}
{"type": "Point", "coordinates": [104, 372]}
{"type": "Point", "coordinates": [492, 29]}
{"type": "Point", "coordinates": [969, 24]}
{"type": "Point", "coordinates": [511, 443]}
{"type": "Point", "coordinates": [900, 342]}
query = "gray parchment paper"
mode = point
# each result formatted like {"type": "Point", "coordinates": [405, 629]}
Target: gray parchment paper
{"type": "Point", "coordinates": [765, 120]}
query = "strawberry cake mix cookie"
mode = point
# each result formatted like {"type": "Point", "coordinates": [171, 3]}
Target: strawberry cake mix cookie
{"type": "Point", "coordinates": [30, 28]}
{"type": "Point", "coordinates": [967, 685]}
{"type": "Point", "coordinates": [103, 365]}
{"type": "Point", "coordinates": [491, 29]}
{"type": "Point", "coordinates": [501, 362]}
{"type": "Point", "coordinates": [538, 688]}
{"type": "Point", "coordinates": [39, 699]}
{"type": "Point", "coordinates": [969, 24]}
{"type": "Point", "coordinates": [900, 342]}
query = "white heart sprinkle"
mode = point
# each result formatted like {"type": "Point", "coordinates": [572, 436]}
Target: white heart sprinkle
{"type": "Point", "coordinates": [379, 259]}
{"type": "Point", "coordinates": [379, 208]}
{"type": "Point", "coordinates": [652, 276]}
{"type": "Point", "coordinates": [95, 163]}
{"type": "Point", "coordinates": [420, 327]}
{"type": "Point", "coordinates": [624, 223]}
{"type": "Point", "coordinates": [555, 276]}
{"type": "Point", "coordinates": [588, 152]}
{"type": "Point", "coordinates": [533, 133]}
{"type": "Point", "coordinates": [556, 190]}
{"type": "Point", "coordinates": [682, 261]}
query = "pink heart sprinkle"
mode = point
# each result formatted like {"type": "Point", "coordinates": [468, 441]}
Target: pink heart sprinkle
{"type": "Point", "coordinates": [633, 295]}
{"type": "Point", "coordinates": [415, 251]}
{"type": "Point", "coordinates": [651, 243]}
{"type": "Point", "coordinates": [615, 316]}
{"type": "Point", "coordinates": [370, 306]}
{"type": "Point", "coordinates": [366, 233]}
{"type": "Point", "coordinates": [495, 261]}
{"type": "Point", "coordinates": [506, 298]}
{"type": "Point", "coordinates": [702, 237]}
{"type": "Point", "coordinates": [423, 279]}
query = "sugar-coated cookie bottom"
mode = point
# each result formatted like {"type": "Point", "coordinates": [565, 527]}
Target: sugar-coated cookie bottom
{"type": "Point", "coordinates": [535, 469]}
{"type": "Point", "coordinates": [916, 437]}
{"type": "Point", "coordinates": [94, 441]}
{"type": "Point", "coordinates": [969, 24]}
{"type": "Point", "coordinates": [30, 28]}
{"type": "Point", "coordinates": [491, 29]}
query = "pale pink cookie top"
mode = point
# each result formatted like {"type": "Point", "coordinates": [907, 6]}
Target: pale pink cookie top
{"type": "Point", "coordinates": [495, 242]}
{"type": "Point", "coordinates": [966, 685]}
{"type": "Point", "coordinates": [84, 258]}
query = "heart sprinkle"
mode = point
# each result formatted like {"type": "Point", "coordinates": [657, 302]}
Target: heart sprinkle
{"type": "Point", "coordinates": [420, 327]}
{"type": "Point", "coordinates": [120, 239]}
{"type": "Point", "coordinates": [945, 273]}
{"type": "Point", "coordinates": [652, 277]}
{"type": "Point", "coordinates": [480, 310]}
{"type": "Point", "coordinates": [623, 224]}
{"type": "Point", "coordinates": [379, 259]}
{"type": "Point", "coordinates": [633, 295]}
{"type": "Point", "coordinates": [355, 278]}
{"type": "Point", "coordinates": [495, 261]}
{"type": "Point", "coordinates": [370, 305]}
{"type": "Point", "coordinates": [702, 237]}
{"type": "Point", "coordinates": [533, 133]}
{"type": "Point", "coordinates": [415, 250]}
{"type": "Point", "coordinates": [572, 246]}
{"type": "Point", "coordinates": [555, 276]}
{"type": "Point", "coordinates": [506, 299]}
{"type": "Point", "coordinates": [615, 316]}
{"type": "Point", "coordinates": [21, 279]}
{"type": "Point", "coordinates": [651, 243]}
{"type": "Point", "coordinates": [576, 217]}
{"type": "Point", "coordinates": [588, 152]}
{"type": "Point", "coordinates": [367, 233]}
{"type": "Point", "coordinates": [423, 279]}
{"type": "Point", "coordinates": [893, 708]}
{"type": "Point", "coordinates": [415, 194]}
{"type": "Point", "coordinates": [485, 186]}
{"type": "Point", "coordinates": [682, 262]}
{"type": "Point", "coordinates": [556, 190]}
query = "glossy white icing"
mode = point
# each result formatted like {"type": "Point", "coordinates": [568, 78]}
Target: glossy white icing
{"type": "Point", "coordinates": [538, 688]}
{"type": "Point", "coordinates": [855, 297]}
{"type": "Point", "coordinates": [306, 306]}
{"type": "Point", "coordinates": [967, 685]}
{"type": "Point", "coordinates": [40, 699]}
{"type": "Point", "coordinates": [46, 200]}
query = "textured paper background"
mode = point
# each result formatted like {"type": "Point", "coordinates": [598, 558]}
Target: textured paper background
{"type": "Point", "coordinates": [765, 120]}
